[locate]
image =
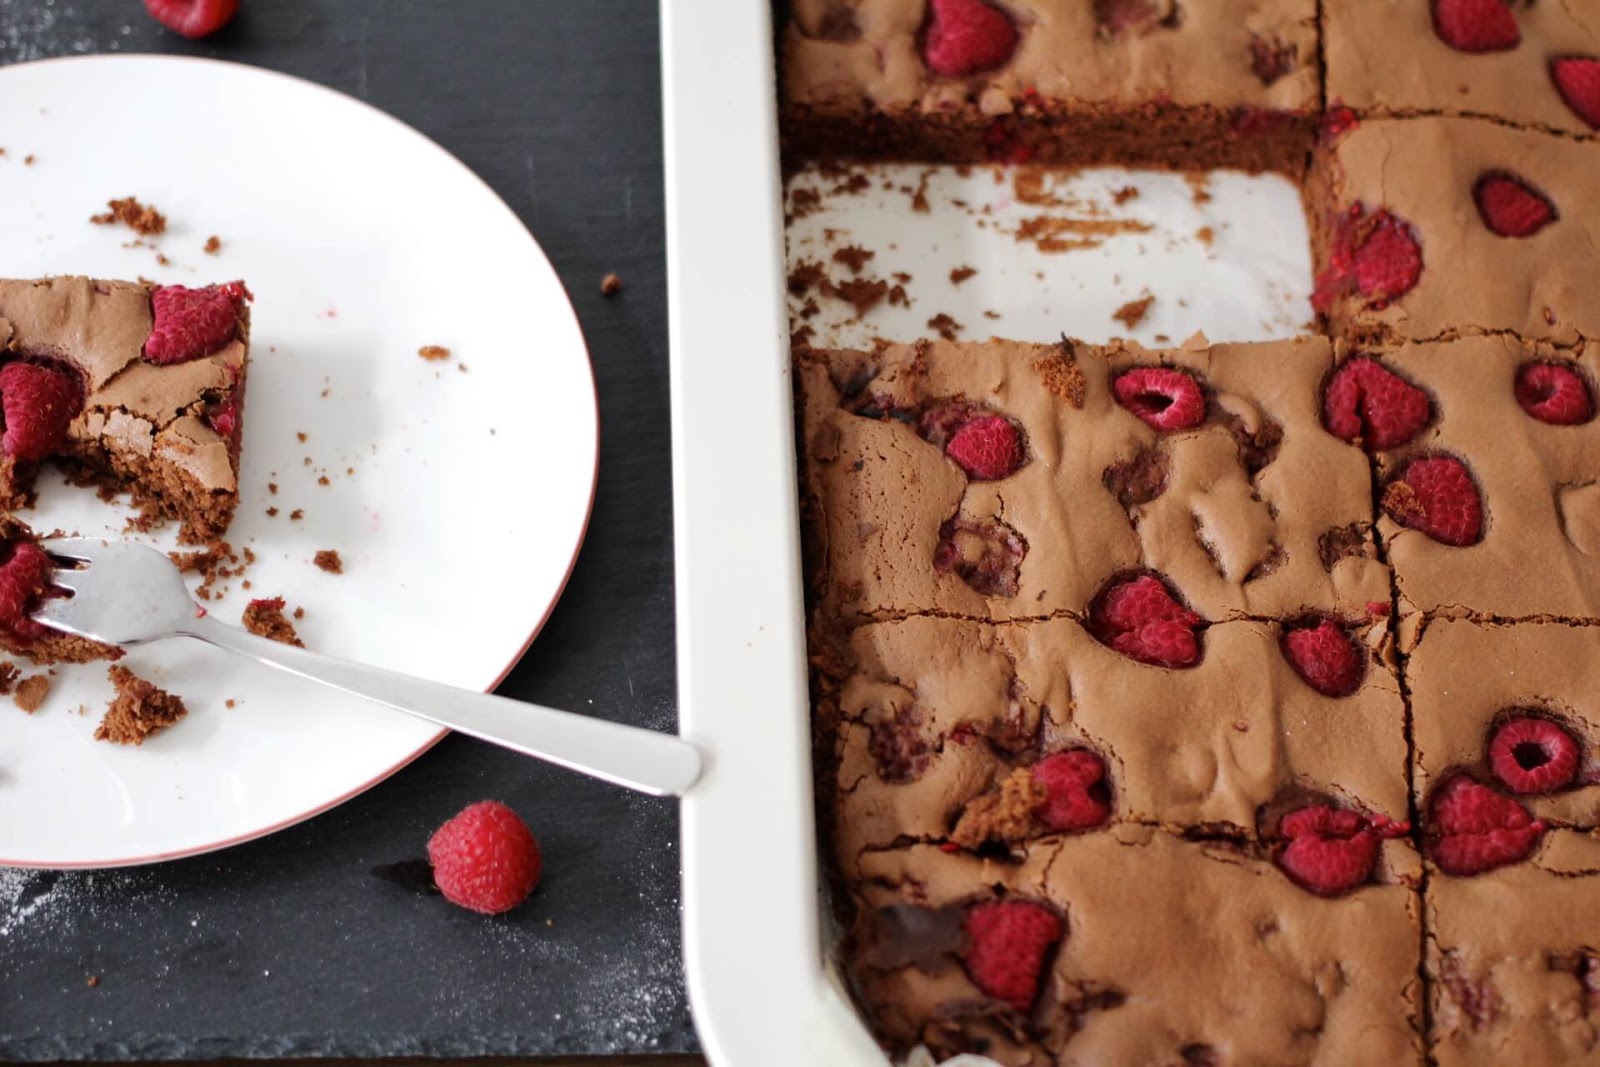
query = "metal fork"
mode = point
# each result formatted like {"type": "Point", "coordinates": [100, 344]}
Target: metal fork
{"type": "Point", "coordinates": [123, 593]}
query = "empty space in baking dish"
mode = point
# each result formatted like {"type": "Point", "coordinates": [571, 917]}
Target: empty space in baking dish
{"type": "Point", "coordinates": [899, 252]}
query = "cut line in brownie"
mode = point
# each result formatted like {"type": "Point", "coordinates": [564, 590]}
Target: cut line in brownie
{"type": "Point", "coordinates": [1158, 83]}
{"type": "Point", "coordinates": [1207, 464]}
{"type": "Point", "coordinates": [134, 387]}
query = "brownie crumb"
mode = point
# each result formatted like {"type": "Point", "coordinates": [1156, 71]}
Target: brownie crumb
{"type": "Point", "coordinates": [1003, 816]}
{"type": "Point", "coordinates": [272, 513]}
{"type": "Point", "coordinates": [9, 673]}
{"type": "Point", "coordinates": [610, 285]}
{"type": "Point", "coordinates": [961, 274]}
{"type": "Point", "coordinates": [163, 260]}
{"type": "Point", "coordinates": [1062, 376]}
{"type": "Point", "coordinates": [1205, 235]}
{"type": "Point", "coordinates": [265, 618]}
{"type": "Point", "coordinates": [301, 437]}
{"type": "Point", "coordinates": [272, 487]}
{"type": "Point", "coordinates": [944, 326]}
{"type": "Point", "coordinates": [431, 353]}
{"type": "Point", "coordinates": [230, 703]}
{"type": "Point", "coordinates": [138, 710]}
{"type": "Point", "coordinates": [297, 514]}
{"type": "Point", "coordinates": [1133, 312]}
{"type": "Point", "coordinates": [299, 613]}
{"type": "Point", "coordinates": [1123, 195]}
{"type": "Point", "coordinates": [92, 981]}
{"type": "Point", "coordinates": [213, 563]}
{"type": "Point", "coordinates": [328, 559]}
{"type": "Point", "coordinates": [803, 202]}
{"type": "Point", "coordinates": [140, 218]}
{"type": "Point", "coordinates": [863, 294]}
{"type": "Point", "coordinates": [323, 480]}
{"type": "Point", "coordinates": [31, 692]}
{"type": "Point", "coordinates": [854, 257]}
{"type": "Point", "coordinates": [213, 245]}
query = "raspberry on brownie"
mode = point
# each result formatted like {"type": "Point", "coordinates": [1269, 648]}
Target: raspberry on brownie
{"type": "Point", "coordinates": [1516, 706]}
{"type": "Point", "coordinates": [1170, 952]}
{"type": "Point", "coordinates": [1130, 82]}
{"type": "Point", "coordinates": [1485, 58]}
{"type": "Point", "coordinates": [1511, 960]}
{"type": "Point", "coordinates": [1206, 463]}
{"type": "Point", "coordinates": [929, 722]}
{"type": "Point", "coordinates": [137, 387]}
{"type": "Point", "coordinates": [1410, 211]}
{"type": "Point", "coordinates": [1493, 509]}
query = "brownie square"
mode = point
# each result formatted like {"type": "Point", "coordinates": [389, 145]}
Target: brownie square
{"type": "Point", "coordinates": [934, 730]}
{"type": "Point", "coordinates": [1517, 706]}
{"type": "Point", "coordinates": [1513, 960]}
{"type": "Point", "coordinates": [1388, 57]}
{"type": "Point", "coordinates": [1171, 952]}
{"type": "Point", "coordinates": [1129, 82]}
{"type": "Point", "coordinates": [1248, 508]}
{"type": "Point", "coordinates": [1402, 246]}
{"type": "Point", "coordinates": [1538, 551]}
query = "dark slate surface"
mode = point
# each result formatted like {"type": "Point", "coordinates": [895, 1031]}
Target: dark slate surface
{"type": "Point", "coordinates": [287, 946]}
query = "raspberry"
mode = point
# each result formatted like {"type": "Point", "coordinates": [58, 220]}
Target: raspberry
{"type": "Point", "coordinates": [39, 403]}
{"type": "Point", "coordinates": [485, 858]}
{"type": "Point", "coordinates": [190, 323]}
{"type": "Point", "coordinates": [1510, 207]}
{"type": "Point", "coordinates": [224, 417]}
{"type": "Point", "coordinates": [192, 18]}
{"type": "Point", "coordinates": [1436, 495]}
{"type": "Point", "coordinates": [1389, 261]}
{"type": "Point", "coordinates": [1325, 658]}
{"type": "Point", "coordinates": [1330, 850]}
{"type": "Point", "coordinates": [24, 578]}
{"type": "Point", "coordinates": [1008, 942]}
{"type": "Point", "coordinates": [1577, 79]}
{"type": "Point", "coordinates": [966, 37]}
{"type": "Point", "coordinates": [1076, 794]}
{"type": "Point", "coordinates": [1533, 755]}
{"type": "Point", "coordinates": [988, 448]}
{"type": "Point", "coordinates": [1478, 830]}
{"type": "Point", "coordinates": [1337, 121]}
{"type": "Point", "coordinates": [1475, 25]}
{"type": "Point", "coordinates": [1554, 393]}
{"type": "Point", "coordinates": [1365, 402]}
{"type": "Point", "coordinates": [1164, 398]}
{"type": "Point", "coordinates": [1141, 619]}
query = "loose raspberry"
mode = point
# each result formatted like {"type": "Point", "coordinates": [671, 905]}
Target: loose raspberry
{"type": "Point", "coordinates": [1076, 794]}
{"type": "Point", "coordinates": [1554, 393]}
{"type": "Point", "coordinates": [988, 448]}
{"type": "Point", "coordinates": [1330, 850]}
{"type": "Point", "coordinates": [1533, 755]}
{"type": "Point", "coordinates": [1510, 207]}
{"type": "Point", "coordinates": [192, 18]}
{"type": "Point", "coordinates": [485, 858]}
{"type": "Point", "coordinates": [1477, 829]}
{"type": "Point", "coordinates": [1008, 945]}
{"type": "Point", "coordinates": [1577, 79]}
{"type": "Point", "coordinates": [1164, 398]}
{"type": "Point", "coordinates": [1325, 658]}
{"type": "Point", "coordinates": [39, 403]}
{"type": "Point", "coordinates": [1141, 619]}
{"type": "Point", "coordinates": [965, 37]}
{"type": "Point", "coordinates": [24, 578]}
{"type": "Point", "coordinates": [1475, 25]}
{"type": "Point", "coordinates": [1367, 403]}
{"type": "Point", "coordinates": [190, 323]}
{"type": "Point", "coordinates": [1437, 496]}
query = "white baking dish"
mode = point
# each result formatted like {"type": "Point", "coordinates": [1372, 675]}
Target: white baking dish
{"type": "Point", "coordinates": [755, 939]}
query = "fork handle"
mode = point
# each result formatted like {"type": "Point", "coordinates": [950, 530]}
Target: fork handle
{"type": "Point", "coordinates": [646, 760]}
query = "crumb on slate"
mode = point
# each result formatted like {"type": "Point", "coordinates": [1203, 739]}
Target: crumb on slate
{"type": "Point", "coordinates": [92, 981]}
{"type": "Point", "coordinates": [142, 219]}
{"type": "Point", "coordinates": [264, 617]}
{"type": "Point", "coordinates": [138, 710]}
{"type": "Point", "coordinates": [328, 560]}
{"type": "Point", "coordinates": [431, 353]}
{"type": "Point", "coordinates": [31, 692]}
{"type": "Point", "coordinates": [610, 285]}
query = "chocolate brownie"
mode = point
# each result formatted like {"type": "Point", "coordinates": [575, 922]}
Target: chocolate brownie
{"type": "Point", "coordinates": [1132, 82]}
{"type": "Point", "coordinates": [1407, 57]}
{"type": "Point", "coordinates": [1004, 480]}
{"type": "Point", "coordinates": [137, 387]}
{"type": "Point", "coordinates": [1493, 508]}
{"type": "Point", "coordinates": [1514, 705]}
{"type": "Point", "coordinates": [1432, 227]}
{"type": "Point", "coordinates": [1131, 946]}
{"type": "Point", "coordinates": [944, 731]}
{"type": "Point", "coordinates": [24, 584]}
{"type": "Point", "coordinates": [1513, 960]}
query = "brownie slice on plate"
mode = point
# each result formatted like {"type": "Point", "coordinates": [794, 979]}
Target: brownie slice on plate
{"type": "Point", "coordinates": [136, 387]}
{"type": "Point", "coordinates": [1127, 82]}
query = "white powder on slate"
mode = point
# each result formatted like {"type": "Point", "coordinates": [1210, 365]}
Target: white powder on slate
{"type": "Point", "coordinates": [36, 29]}
{"type": "Point", "coordinates": [26, 895]}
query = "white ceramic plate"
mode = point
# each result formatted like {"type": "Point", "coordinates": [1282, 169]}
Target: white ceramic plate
{"type": "Point", "coordinates": [362, 241]}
